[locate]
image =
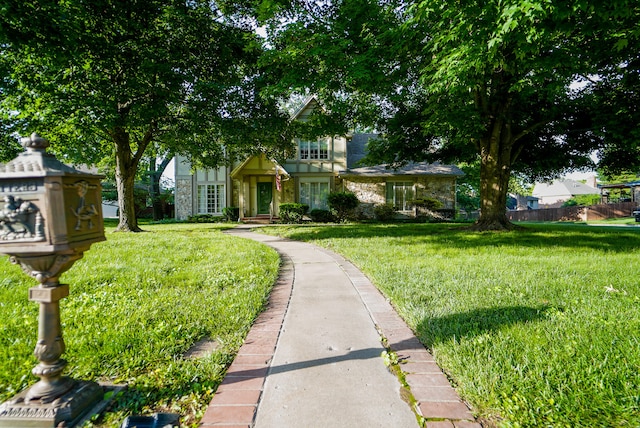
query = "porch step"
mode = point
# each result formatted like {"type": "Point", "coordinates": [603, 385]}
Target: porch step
{"type": "Point", "coordinates": [260, 219]}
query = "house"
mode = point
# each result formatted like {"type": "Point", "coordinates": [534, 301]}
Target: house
{"type": "Point", "coordinates": [517, 202]}
{"type": "Point", "coordinates": [258, 185]}
{"type": "Point", "coordinates": [555, 193]}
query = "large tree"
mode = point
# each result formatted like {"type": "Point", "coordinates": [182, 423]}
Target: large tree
{"type": "Point", "coordinates": [491, 80]}
{"type": "Point", "coordinates": [113, 78]}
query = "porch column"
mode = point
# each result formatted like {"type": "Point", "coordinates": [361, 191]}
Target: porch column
{"type": "Point", "coordinates": [253, 196]}
{"type": "Point", "coordinates": [241, 197]}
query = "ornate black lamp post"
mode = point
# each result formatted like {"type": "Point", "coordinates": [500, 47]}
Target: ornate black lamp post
{"type": "Point", "coordinates": [52, 214]}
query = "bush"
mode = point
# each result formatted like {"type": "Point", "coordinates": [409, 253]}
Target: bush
{"type": "Point", "coordinates": [342, 204]}
{"type": "Point", "coordinates": [582, 200]}
{"type": "Point", "coordinates": [293, 213]}
{"type": "Point", "coordinates": [431, 204]}
{"type": "Point", "coordinates": [204, 218]}
{"type": "Point", "coordinates": [231, 213]}
{"type": "Point", "coordinates": [384, 212]}
{"type": "Point", "coordinates": [321, 216]}
{"type": "Point", "coordinates": [447, 213]}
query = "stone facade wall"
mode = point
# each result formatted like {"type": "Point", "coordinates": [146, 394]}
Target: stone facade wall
{"type": "Point", "coordinates": [440, 188]}
{"type": "Point", "coordinates": [184, 198]}
{"type": "Point", "coordinates": [371, 191]}
{"type": "Point", "coordinates": [368, 190]}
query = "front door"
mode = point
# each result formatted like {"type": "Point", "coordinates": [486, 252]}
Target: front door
{"type": "Point", "coordinates": [264, 197]}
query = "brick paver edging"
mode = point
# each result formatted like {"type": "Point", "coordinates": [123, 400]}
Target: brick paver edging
{"type": "Point", "coordinates": [435, 399]}
{"type": "Point", "coordinates": [236, 400]}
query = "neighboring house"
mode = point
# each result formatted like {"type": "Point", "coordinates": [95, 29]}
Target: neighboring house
{"type": "Point", "coordinates": [555, 193]}
{"type": "Point", "coordinates": [259, 185]}
{"type": "Point", "coordinates": [521, 202]}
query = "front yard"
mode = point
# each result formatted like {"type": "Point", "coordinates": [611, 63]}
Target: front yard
{"type": "Point", "coordinates": [137, 303]}
{"type": "Point", "coordinates": [539, 327]}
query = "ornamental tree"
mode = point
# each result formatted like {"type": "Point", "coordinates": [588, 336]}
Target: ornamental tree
{"type": "Point", "coordinates": [114, 78]}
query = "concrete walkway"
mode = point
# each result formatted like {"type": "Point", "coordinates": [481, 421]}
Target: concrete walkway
{"type": "Point", "coordinates": [313, 357]}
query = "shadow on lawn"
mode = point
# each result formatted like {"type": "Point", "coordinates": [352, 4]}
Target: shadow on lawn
{"type": "Point", "coordinates": [475, 323]}
{"type": "Point", "coordinates": [459, 236]}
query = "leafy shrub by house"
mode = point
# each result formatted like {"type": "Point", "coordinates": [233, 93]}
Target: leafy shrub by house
{"type": "Point", "coordinates": [231, 213]}
{"type": "Point", "coordinates": [342, 204]}
{"type": "Point", "coordinates": [384, 212]}
{"type": "Point", "coordinates": [431, 204]}
{"type": "Point", "coordinates": [204, 218]}
{"type": "Point", "coordinates": [293, 213]}
{"type": "Point", "coordinates": [321, 216]}
{"type": "Point", "coordinates": [448, 214]}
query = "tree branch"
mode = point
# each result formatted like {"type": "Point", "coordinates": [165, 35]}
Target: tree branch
{"type": "Point", "coordinates": [144, 142]}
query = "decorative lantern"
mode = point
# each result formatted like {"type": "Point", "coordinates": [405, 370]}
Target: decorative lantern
{"type": "Point", "coordinates": [50, 214]}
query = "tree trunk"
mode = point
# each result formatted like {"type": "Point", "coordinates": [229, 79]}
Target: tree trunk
{"type": "Point", "coordinates": [154, 190]}
{"type": "Point", "coordinates": [155, 174]}
{"type": "Point", "coordinates": [126, 167]}
{"type": "Point", "coordinates": [495, 171]}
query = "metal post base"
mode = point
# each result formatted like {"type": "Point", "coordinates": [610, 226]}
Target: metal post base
{"type": "Point", "coordinates": [65, 411]}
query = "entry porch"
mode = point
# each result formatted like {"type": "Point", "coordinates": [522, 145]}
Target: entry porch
{"type": "Point", "coordinates": [258, 184]}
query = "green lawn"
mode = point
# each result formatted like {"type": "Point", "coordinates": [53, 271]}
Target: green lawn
{"type": "Point", "coordinates": [137, 303]}
{"type": "Point", "coordinates": [538, 327]}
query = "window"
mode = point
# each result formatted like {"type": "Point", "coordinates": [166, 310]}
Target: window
{"type": "Point", "coordinates": [314, 194]}
{"type": "Point", "coordinates": [210, 198]}
{"type": "Point", "coordinates": [314, 150]}
{"type": "Point", "coordinates": [400, 193]}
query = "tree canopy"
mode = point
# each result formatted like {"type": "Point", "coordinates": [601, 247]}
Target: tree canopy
{"type": "Point", "coordinates": [526, 86]}
{"type": "Point", "coordinates": [461, 81]}
{"type": "Point", "coordinates": [111, 78]}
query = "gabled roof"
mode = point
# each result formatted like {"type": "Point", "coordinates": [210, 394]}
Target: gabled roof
{"type": "Point", "coordinates": [259, 165]}
{"type": "Point", "coordinates": [418, 168]}
{"type": "Point", "coordinates": [305, 110]}
{"type": "Point", "coordinates": [563, 187]}
{"type": "Point", "coordinates": [357, 148]}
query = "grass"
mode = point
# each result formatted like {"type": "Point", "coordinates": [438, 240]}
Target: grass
{"type": "Point", "coordinates": [617, 221]}
{"type": "Point", "coordinates": [137, 303]}
{"type": "Point", "coordinates": [535, 328]}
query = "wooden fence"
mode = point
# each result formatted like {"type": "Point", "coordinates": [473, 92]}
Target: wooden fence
{"type": "Point", "coordinates": [590, 213]}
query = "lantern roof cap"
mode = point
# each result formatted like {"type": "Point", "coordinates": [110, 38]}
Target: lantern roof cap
{"type": "Point", "coordinates": [35, 161]}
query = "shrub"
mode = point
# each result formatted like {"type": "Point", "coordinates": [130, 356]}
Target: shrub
{"type": "Point", "coordinates": [293, 213]}
{"type": "Point", "coordinates": [447, 213]}
{"type": "Point", "coordinates": [582, 200]}
{"type": "Point", "coordinates": [342, 204]}
{"type": "Point", "coordinates": [431, 204]}
{"type": "Point", "coordinates": [204, 218]}
{"type": "Point", "coordinates": [384, 212]}
{"type": "Point", "coordinates": [231, 213]}
{"type": "Point", "coordinates": [321, 216]}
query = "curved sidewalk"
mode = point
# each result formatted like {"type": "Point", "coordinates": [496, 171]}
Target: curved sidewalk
{"type": "Point", "coordinates": [313, 357]}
